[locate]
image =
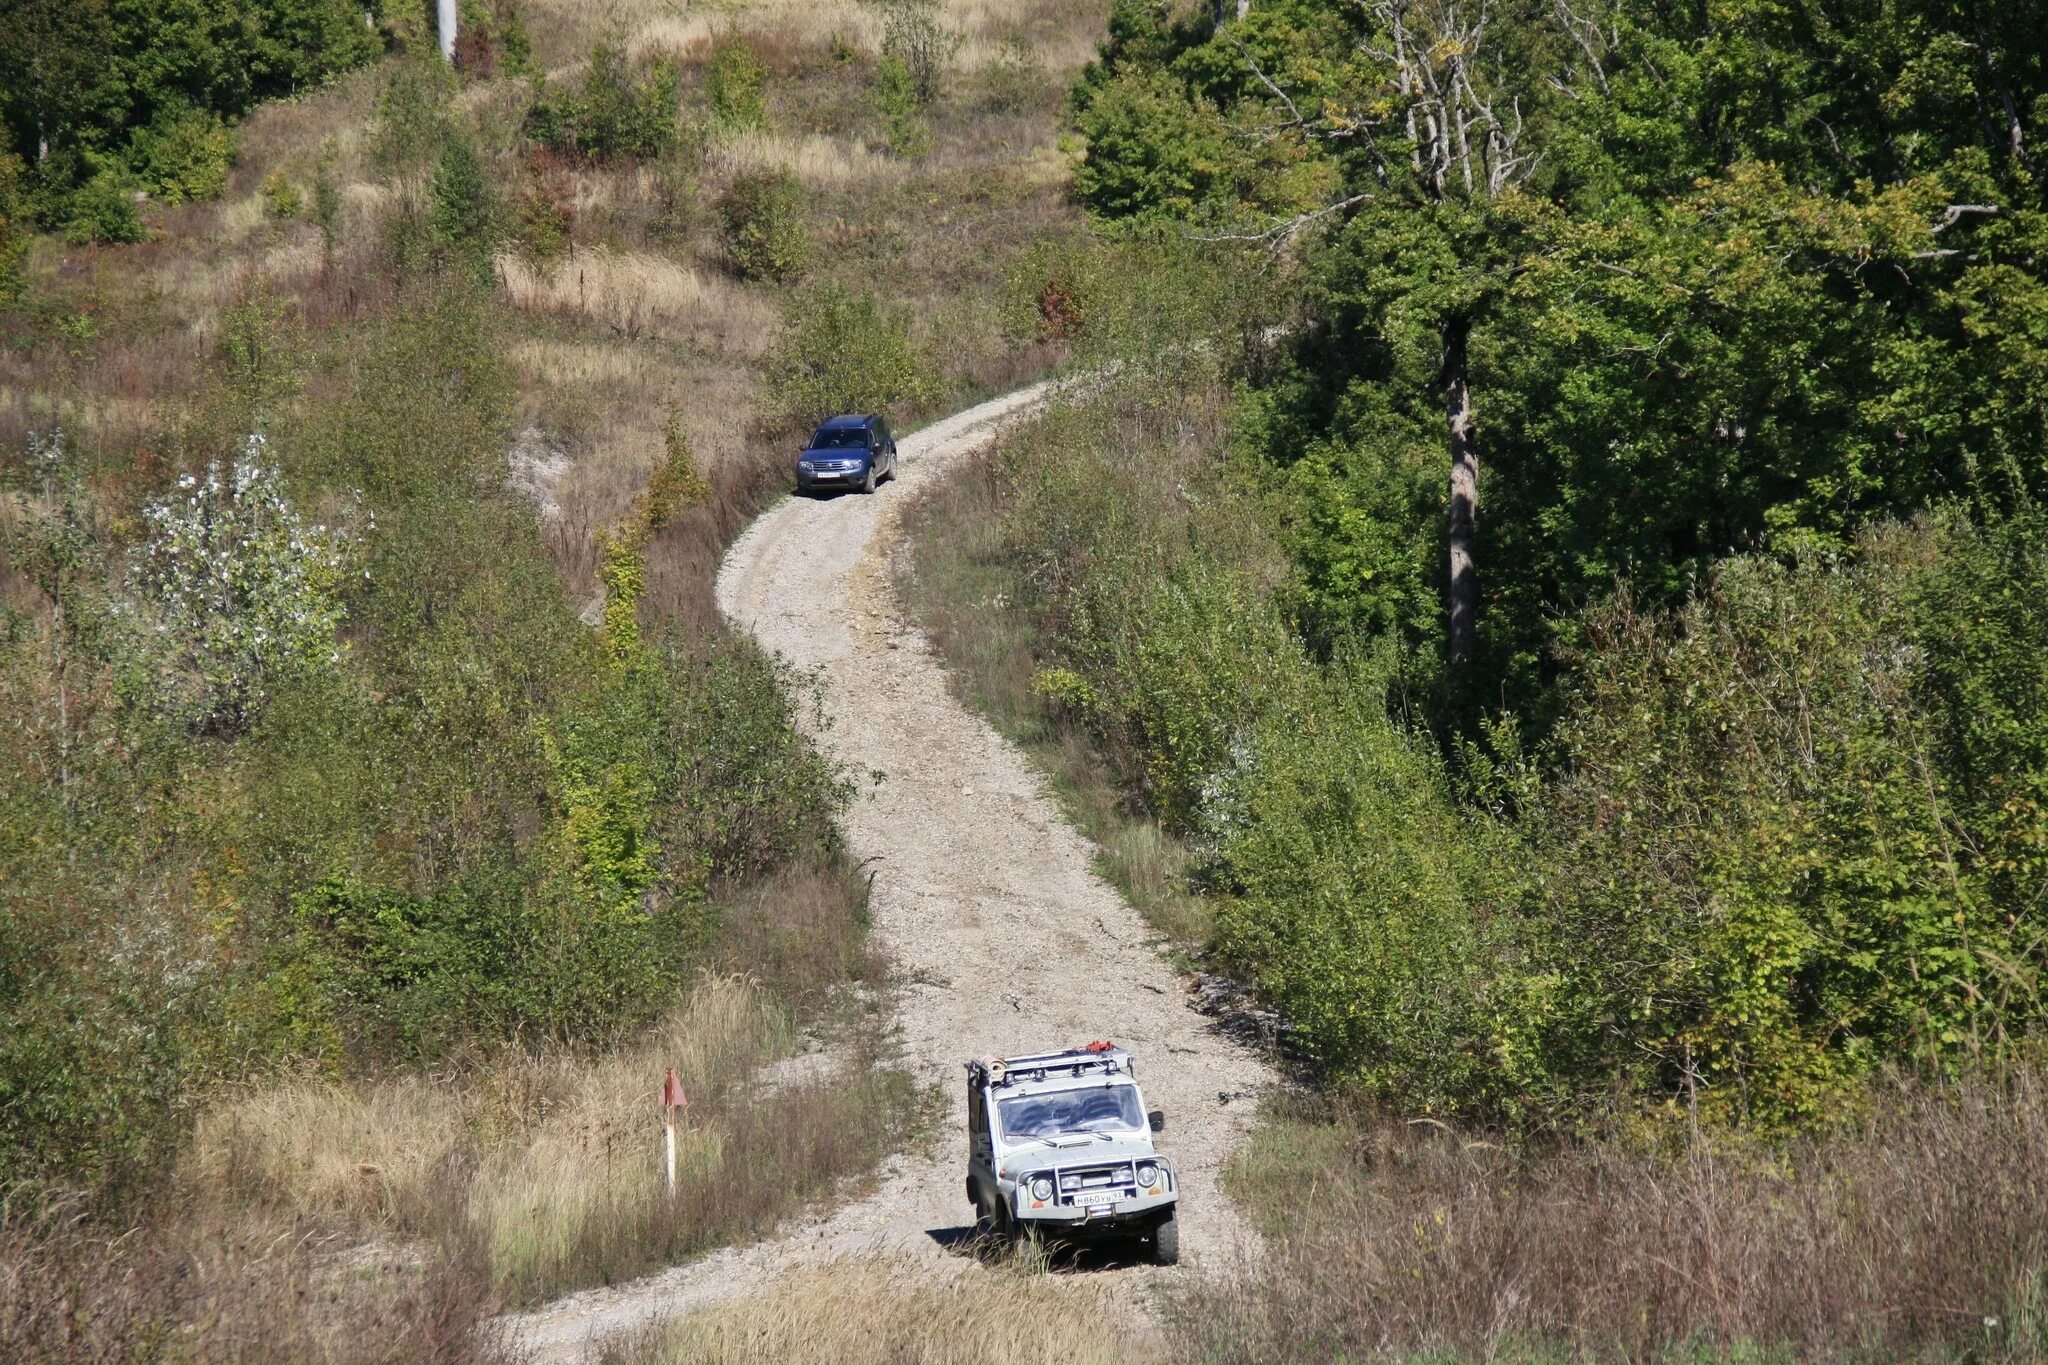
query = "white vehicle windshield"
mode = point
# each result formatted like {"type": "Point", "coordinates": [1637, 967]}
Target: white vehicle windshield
{"type": "Point", "coordinates": [1097, 1109]}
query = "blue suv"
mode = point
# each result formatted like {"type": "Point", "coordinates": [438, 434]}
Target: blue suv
{"type": "Point", "coordinates": [855, 451]}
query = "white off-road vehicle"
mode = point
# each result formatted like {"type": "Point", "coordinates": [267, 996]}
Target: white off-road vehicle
{"type": "Point", "coordinates": [1059, 1146]}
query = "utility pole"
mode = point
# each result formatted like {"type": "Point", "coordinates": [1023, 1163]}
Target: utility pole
{"type": "Point", "coordinates": [446, 12]}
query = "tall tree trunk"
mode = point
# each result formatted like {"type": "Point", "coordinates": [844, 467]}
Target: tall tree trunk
{"type": "Point", "coordinates": [1462, 591]}
{"type": "Point", "coordinates": [1221, 10]}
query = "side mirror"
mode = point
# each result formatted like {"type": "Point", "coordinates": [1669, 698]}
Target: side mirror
{"type": "Point", "coordinates": [1157, 1118]}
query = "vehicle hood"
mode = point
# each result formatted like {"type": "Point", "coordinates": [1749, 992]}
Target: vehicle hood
{"type": "Point", "coordinates": [1078, 1150]}
{"type": "Point", "coordinates": [855, 456]}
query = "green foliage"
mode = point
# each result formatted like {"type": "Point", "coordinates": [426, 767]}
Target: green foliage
{"type": "Point", "coordinates": [104, 210]}
{"type": "Point", "coordinates": [412, 125]}
{"type": "Point", "coordinates": [466, 219]}
{"type": "Point", "coordinates": [152, 84]}
{"type": "Point", "coordinates": [914, 35]}
{"type": "Point", "coordinates": [840, 351]}
{"type": "Point", "coordinates": [762, 224]}
{"type": "Point", "coordinates": [1152, 151]}
{"type": "Point", "coordinates": [613, 113]}
{"type": "Point", "coordinates": [736, 82]}
{"type": "Point", "coordinates": [1826, 864]}
{"type": "Point", "coordinates": [281, 196]}
{"type": "Point", "coordinates": [676, 484]}
{"type": "Point", "coordinates": [477, 820]}
{"type": "Point", "coordinates": [1725, 278]}
{"type": "Point", "coordinates": [901, 110]}
{"type": "Point", "coordinates": [14, 228]}
{"type": "Point", "coordinates": [182, 154]}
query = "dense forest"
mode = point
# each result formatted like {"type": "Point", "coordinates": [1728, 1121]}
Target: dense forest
{"type": "Point", "coordinates": [1607, 661]}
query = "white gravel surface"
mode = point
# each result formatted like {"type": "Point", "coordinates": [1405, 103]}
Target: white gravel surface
{"type": "Point", "coordinates": [984, 897]}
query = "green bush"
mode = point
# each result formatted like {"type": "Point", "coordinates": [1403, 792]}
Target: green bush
{"type": "Point", "coordinates": [612, 114]}
{"type": "Point", "coordinates": [411, 124]}
{"type": "Point", "coordinates": [104, 210]}
{"type": "Point", "coordinates": [182, 153]}
{"type": "Point", "coordinates": [465, 216]}
{"type": "Point", "coordinates": [736, 83]}
{"type": "Point", "coordinates": [844, 352]}
{"type": "Point", "coordinates": [14, 228]}
{"type": "Point", "coordinates": [761, 222]}
{"type": "Point", "coordinates": [914, 34]}
{"type": "Point", "coordinates": [901, 110]}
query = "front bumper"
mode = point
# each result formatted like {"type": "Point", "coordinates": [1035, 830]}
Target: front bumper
{"type": "Point", "coordinates": [831, 478]}
{"type": "Point", "coordinates": [1139, 1208]}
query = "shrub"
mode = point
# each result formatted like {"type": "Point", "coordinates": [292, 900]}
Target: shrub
{"type": "Point", "coordinates": [612, 114]}
{"type": "Point", "coordinates": [104, 210]}
{"type": "Point", "coordinates": [844, 352]}
{"type": "Point", "coordinates": [411, 125]}
{"type": "Point", "coordinates": [736, 82]}
{"type": "Point", "coordinates": [761, 219]}
{"type": "Point", "coordinates": [896, 98]}
{"type": "Point", "coordinates": [465, 217]}
{"type": "Point", "coordinates": [240, 590]}
{"type": "Point", "coordinates": [914, 32]}
{"type": "Point", "coordinates": [281, 196]}
{"type": "Point", "coordinates": [183, 153]}
{"type": "Point", "coordinates": [14, 228]}
{"type": "Point", "coordinates": [1152, 151]}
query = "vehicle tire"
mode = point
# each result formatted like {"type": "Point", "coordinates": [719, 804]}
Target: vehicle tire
{"type": "Point", "coordinates": [868, 484]}
{"type": "Point", "coordinates": [1166, 1241]}
{"type": "Point", "coordinates": [986, 1224]}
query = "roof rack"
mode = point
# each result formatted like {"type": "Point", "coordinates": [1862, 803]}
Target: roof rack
{"type": "Point", "coordinates": [1102, 1058]}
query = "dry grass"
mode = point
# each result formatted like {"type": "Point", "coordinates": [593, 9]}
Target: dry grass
{"type": "Point", "coordinates": [1064, 38]}
{"type": "Point", "coordinates": [73, 1290]}
{"type": "Point", "coordinates": [877, 1312]}
{"type": "Point", "coordinates": [637, 293]}
{"type": "Point", "coordinates": [549, 1165]}
{"type": "Point", "coordinates": [1914, 1231]}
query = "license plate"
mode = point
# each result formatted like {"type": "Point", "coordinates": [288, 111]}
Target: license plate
{"type": "Point", "coordinates": [1090, 1199]}
{"type": "Point", "coordinates": [826, 474]}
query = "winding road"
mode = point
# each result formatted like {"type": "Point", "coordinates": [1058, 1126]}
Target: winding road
{"type": "Point", "coordinates": [1004, 937]}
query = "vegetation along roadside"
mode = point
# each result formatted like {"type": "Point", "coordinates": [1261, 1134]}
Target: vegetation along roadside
{"type": "Point", "coordinates": [1557, 622]}
{"type": "Point", "coordinates": [386, 805]}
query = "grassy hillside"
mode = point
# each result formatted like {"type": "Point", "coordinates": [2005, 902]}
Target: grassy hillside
{"type": "Point", "coordinates": [385, 804]}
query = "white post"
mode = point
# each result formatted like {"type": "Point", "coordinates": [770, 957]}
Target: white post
{"type": "Point", "coordinates": [672, 1099]}
{"type": "Point", "coordinates": [446, 11]}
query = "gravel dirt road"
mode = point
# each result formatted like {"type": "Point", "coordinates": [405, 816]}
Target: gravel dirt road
{"type": "Point", "coordinates": [985, 898]}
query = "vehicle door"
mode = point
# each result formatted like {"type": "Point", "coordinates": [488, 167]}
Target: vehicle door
{"type": "Point", "coordinates": [886, 439]}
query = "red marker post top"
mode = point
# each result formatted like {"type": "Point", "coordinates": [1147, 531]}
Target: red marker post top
{"type": "Point", "coordinates": [672, 1096]}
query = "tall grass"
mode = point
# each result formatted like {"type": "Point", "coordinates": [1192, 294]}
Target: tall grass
{"type": "Point", "coordinates": [549, 1165]}
{"type": "Point", "coordinates": [1914, 1229]}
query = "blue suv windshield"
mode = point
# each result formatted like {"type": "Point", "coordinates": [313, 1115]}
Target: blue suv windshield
{"type": "Point", "coordinates": [840, 438]}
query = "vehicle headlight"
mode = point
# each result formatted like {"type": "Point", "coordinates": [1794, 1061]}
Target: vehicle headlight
{"type": "Point", "coordinates": [1041, 1187]}
{"type": "Point", "coordinates": [807, 466]}
{"type": "Point", "coordinates": [1148, 1175]}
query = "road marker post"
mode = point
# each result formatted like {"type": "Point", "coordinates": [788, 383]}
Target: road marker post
{"type": "Point", "coordinates": [672, 1099]}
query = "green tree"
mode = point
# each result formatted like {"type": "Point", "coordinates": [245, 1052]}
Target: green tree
{"type": "Point", "coordinates": [466, 218]}
{"type": "Point", "coordinates": [841, 351]}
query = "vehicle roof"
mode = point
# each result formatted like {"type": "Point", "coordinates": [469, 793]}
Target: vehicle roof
{"type": "Point", "coordinates": [850, 419]}
{"type": "Point", "coordinates": [1059, 1069]}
